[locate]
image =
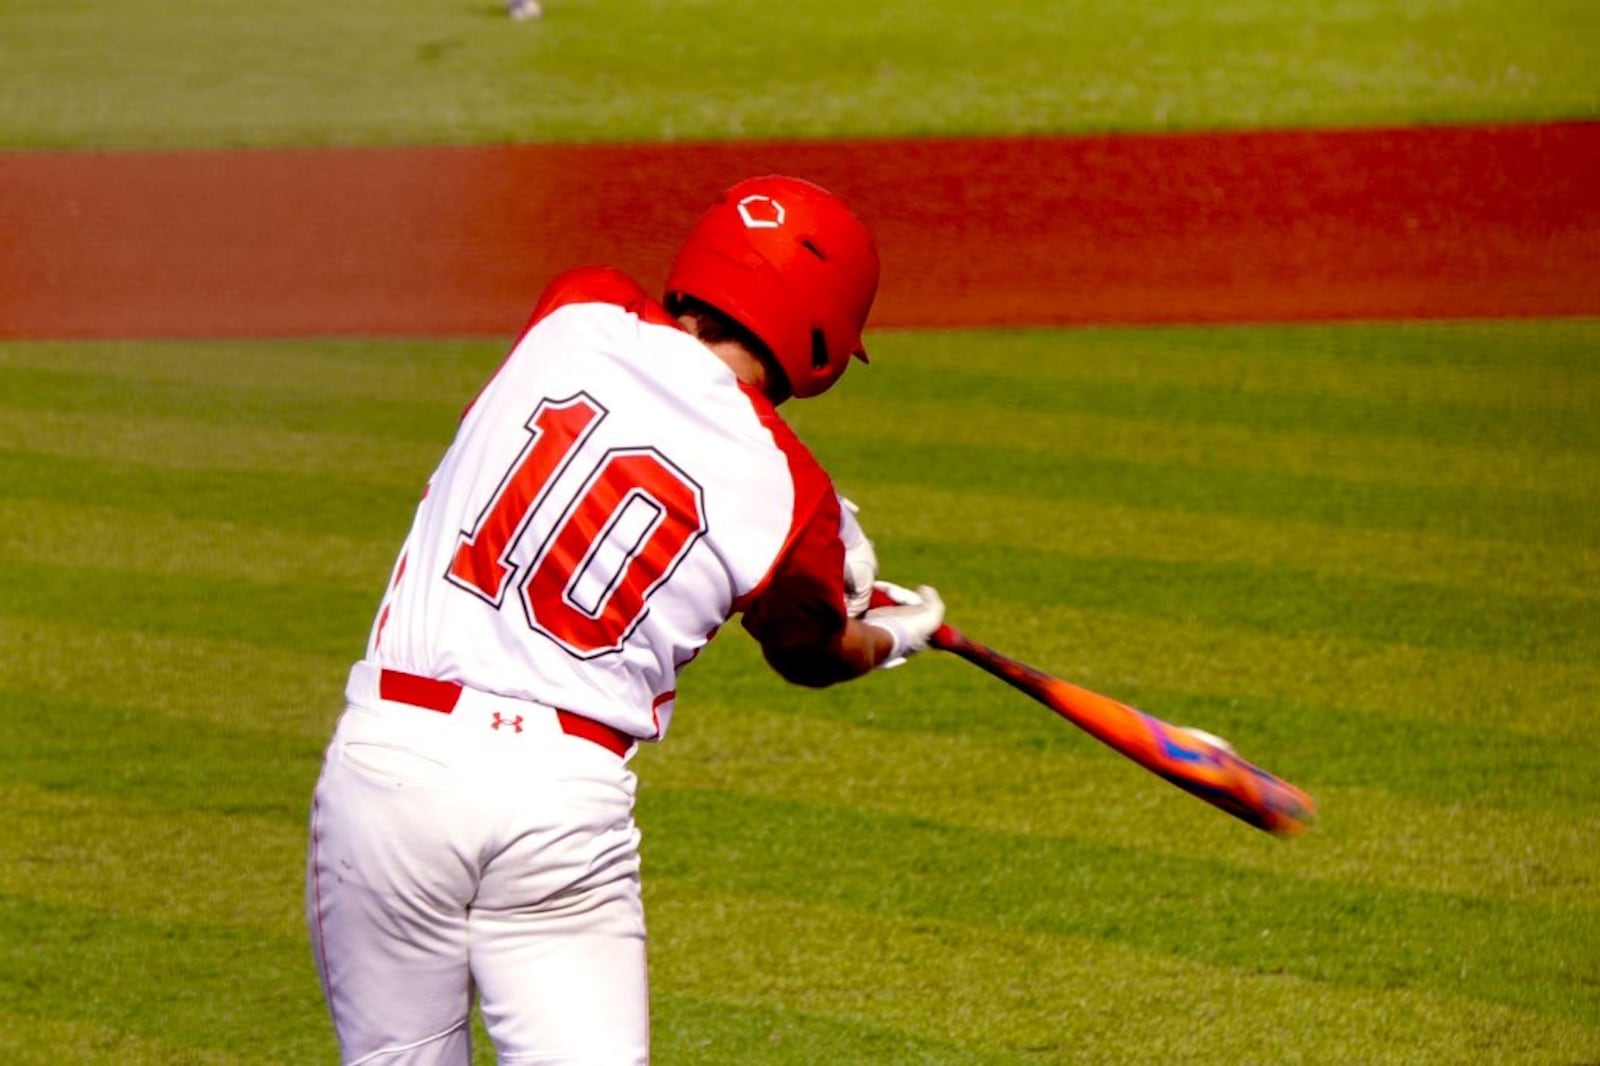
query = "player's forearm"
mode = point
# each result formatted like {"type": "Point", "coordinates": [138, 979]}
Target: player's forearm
{"type": "Point", "coordinates": [864, 647]}
{"type": "Point", "coordinates": [859, 649]}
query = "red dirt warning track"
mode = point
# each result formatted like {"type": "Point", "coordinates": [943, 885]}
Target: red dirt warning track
{"type": "Point", "coordinates": [1359, 224]}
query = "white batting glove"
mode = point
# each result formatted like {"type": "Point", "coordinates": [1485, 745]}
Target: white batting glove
{"type": "Point", "coordinates": [911, 621]}
{"type": "Point", "coordinates": [860, 560]}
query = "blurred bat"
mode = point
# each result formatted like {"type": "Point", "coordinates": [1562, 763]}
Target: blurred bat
{"type": "Point", "coordinates": [1200, 764]}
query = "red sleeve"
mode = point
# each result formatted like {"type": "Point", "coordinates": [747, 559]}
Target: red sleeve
{"type": "Point", "coordinates": [802, 604]}
{"type": "Point", "coordinates": [594, 284]}
{"type": "Point", "coordinates": [589, 285]}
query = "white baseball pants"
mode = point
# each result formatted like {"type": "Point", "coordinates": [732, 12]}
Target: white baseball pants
{"type": "Point", "coordinates": [482, 850]}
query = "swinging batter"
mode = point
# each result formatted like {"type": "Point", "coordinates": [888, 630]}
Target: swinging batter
{"type": "Point", "coordinates": [622, 486]}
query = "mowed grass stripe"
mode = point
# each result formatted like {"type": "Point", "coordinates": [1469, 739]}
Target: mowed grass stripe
{"type": "Point", "coordinates": [182, 443]}
{"type": "Point", "coordinates": [1461, 511]}
{"type": "Point", "coordinates": [323, 621]}
{"type": "Point", "coordinates": [693, 1028]}
{"type": "Point", "coordinates": [1071, 787]}
{"type": "Point", "coordinates": [1445, 763]}
{"type": "Point", "coordinates": [198, 428]}
{"type": "Point", "coordinates": [1440, 713]}
{"type": "Point", "coordinates": [85, 534]}
{"type": "Point", "coordinates": [1382, 457]}
{"type": "Point", "coordinates": [1040, 995]}
{"type": "Point", "coordinates": [1225, 417]}
{"type": "Point", "coordinates": [285, 704]}
{"type": "Point", "coordinates": [76, 535]}
{"type": "Point", "coordinates": [1518, 366]}
{"type": "Point", "coordinates": [143, 464]}
{"type": "Point", "coordinates": [1517, 955]}
{"type": "Point", "coordinates": [1430, 422]}
{"type": "Point", "coordinates": [108, 756]}
{"type": "Point", "coordinates": [198, 679]}
{"type": "Point", "coordinates": [350, 368]}
{"type": "Point", "coordinates": [342, 506]}
{"type": "Point", "coordinates": [410, 442]}
{"type": "Point", "coordinates": [333, 479]}
{"type": "Point", "coordinates": [1532, 623]}
{"type": "Point", "coordinates": [1124, 656]}
{"type": "Point", "coordinates": [286, 409]}
{"type": "Point", "coordinates": [1058, 997]}
{"type": "Point", "coordinates": [91, 462]}
{"type": "Point", "coordinates": [31, 1040]}
{"type": "Point", "coordinates": [989, 954]}
{"type": "Point", "coordinates": [323, 616]}
{"type": "Point", "coordinates": [312, 618]}
{"type": "Point", "coordinates": [183, 982]}
{"type": "Point", "coordinates": [295, 407]}
{"type": "Point", "coordinates": [210, 746]}
{"type": "Point", "coordinates": [1273, 600]}
{"type": "Point", "coordinates": [141, 756]}
{"type": "Point", "coordinates": [86, 848]}
{"type": "Point", "coordinates": [1127, 656]}
{"type": "Point", "coordinates": [71, 851]}
{"type": "Point", "coordinates": [1087, 529]}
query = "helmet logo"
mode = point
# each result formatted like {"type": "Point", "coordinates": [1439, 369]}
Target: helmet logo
{"type": "Point", "coordinates": [760, 211]}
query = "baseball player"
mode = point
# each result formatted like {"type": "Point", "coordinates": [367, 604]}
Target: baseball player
{"type": "Point", "coordinates": [620, 488]}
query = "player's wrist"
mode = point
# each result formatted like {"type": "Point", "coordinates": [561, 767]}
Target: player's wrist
{"type": "Point", "coordinates": [909, 617]}
{"type": "Point", "coordinates": [898, 646]}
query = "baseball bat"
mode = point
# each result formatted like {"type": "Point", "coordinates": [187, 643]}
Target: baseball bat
{"type": "Point", "coordinates": [1196, 762]}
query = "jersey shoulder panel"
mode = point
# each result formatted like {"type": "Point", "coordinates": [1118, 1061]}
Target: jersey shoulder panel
{"type": "Point", "coordinates": [585, 285]}
{"type": "Point", "coordinates": [598, 284]}
{"type": "Point", "coordinates": [810, 478]}
{"type": "Point", "coordinates": [813, 488]}
{"type": "Point", "coordinates": [801, 598]}
{"type": "Point", "coordinates": [802, 602]}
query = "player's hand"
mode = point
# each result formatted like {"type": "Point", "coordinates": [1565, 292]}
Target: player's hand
{"type": "Point", "coordinates": [910, 618]}
{"type": "Point", "coordinates": [860, 560]}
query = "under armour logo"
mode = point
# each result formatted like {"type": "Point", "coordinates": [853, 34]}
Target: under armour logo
{"type": "Point", "coordinates": [760, 211]}
{"type": "Point", "coordinates": [515, 722]}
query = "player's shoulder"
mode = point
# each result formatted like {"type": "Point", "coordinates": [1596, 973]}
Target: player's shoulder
{"type": "Point", "coordinates": [811, 480]}
{"type": "Point", "coordinates": [599, 285]}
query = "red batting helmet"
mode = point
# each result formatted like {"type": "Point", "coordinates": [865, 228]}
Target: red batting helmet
{"type": "Point", "coordinates": [789, 262]}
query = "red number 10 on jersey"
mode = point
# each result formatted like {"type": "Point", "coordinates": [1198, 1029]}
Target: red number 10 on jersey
{"type": "Point", "coordinates": [615, 541]}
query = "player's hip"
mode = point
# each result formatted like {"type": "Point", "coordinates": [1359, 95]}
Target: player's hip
{"type": "Point", "coordinates": [465, 723]}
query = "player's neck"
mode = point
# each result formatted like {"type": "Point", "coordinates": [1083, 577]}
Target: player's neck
{"type": "Point", "coordinates": [748, 367]}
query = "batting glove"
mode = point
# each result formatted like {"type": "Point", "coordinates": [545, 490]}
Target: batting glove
{"type": "Point", "coordinates": [860, 560]}
{"type": "Point", "coordinates": [911, 619]}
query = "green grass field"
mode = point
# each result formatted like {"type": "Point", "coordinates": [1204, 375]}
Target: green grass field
{"type": "Point", "coordinates": [144, 73]}
{"type": "Point", "coordinates": [1367, 554]}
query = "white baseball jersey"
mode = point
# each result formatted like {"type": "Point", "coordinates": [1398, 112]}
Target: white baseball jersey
{"type": "Point", "coordinates": [612, 497]}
